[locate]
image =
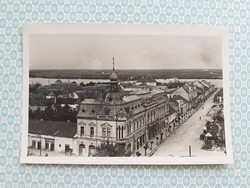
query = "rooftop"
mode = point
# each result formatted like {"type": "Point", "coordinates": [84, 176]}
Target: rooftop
{"type": "Point", "coordinates": [53, 128]}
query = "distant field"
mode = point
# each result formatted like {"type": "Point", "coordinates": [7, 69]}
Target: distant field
{"type": "Point", "coordinates": [126, 74]}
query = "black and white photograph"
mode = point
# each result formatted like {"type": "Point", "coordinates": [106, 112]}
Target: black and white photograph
{"type": "Point", "coordinates": [125, 94]}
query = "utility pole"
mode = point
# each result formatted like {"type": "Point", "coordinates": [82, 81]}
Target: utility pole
{"type": "Point", "coordinates": [190, 151]}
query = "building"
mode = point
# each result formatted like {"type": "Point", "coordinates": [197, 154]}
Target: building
{"type": "Point", "coordinates": [46, 137]}
{"type": "Point", "coordinates": [109, 115]}
{"type": "Point", "coordinates": [127, 122]}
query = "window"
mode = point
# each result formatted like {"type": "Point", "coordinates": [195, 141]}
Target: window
{"type": "Point", "coordinates": [103, 132]}
{"type": "Point", "coordinates": [38, 145]}
{"type": "Point", "coordinates": [129, 129]}
{"type": "Point", "coordinates": [66, 148]}
{"type": "Point", "coordinates": [108, 132]}
{"type": "Point", "coordinates": [134, 126]}
{"type": "Point", "coordinates": [92, 132]}
{"type": "Point", "coordinates": [82, 131]}
{"type": "Point", "coordinates": [33, 144]}
{"type": "Point", "coordinates": [59, 145]}
{"type": "Point", "coordinates": [46, 145]}
{"type": "Point", "coordinates": [52, 147]}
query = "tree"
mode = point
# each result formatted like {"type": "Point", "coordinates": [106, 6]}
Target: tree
{"type": "Point", "coordinates": [108, 149]}
{"type": "Point", "coordinates": [33, 87]}
{"type": "Point", "coordinates": [82, 84]}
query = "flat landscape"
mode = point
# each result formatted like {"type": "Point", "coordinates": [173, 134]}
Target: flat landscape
{"type": "Point", "coordinates": [126, 74]}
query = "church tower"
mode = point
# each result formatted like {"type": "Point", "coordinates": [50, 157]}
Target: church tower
{"type": "Point", "coordinates": [114, 96]}
{"type": "Point", "coordinates": [114, 80]}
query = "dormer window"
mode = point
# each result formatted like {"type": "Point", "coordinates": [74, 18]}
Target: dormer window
{"type": "Point", "coordinates": [83, 110]}
{"type": "Point", "coordinates": [93, 111]}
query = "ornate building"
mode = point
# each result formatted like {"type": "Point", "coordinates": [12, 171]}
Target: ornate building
{"type": "Point", "coordinates": [126, 122]}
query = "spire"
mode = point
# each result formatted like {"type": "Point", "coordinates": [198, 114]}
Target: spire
{"type": "Point", "coordinates": [113, 76]}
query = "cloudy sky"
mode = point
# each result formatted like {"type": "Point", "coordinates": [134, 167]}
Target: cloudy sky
{"type": "Point", "coordinates": [130, 52]}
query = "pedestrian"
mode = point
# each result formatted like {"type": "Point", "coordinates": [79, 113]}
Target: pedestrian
{"type": "Point", "coordinates": [200, 118]}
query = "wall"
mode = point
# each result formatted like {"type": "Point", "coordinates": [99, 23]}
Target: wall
{"type": "Point", "coordinates": [226, 12]}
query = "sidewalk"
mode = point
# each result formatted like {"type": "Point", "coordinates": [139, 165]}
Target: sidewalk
{"type": "Point", "coordinates": [156, 143]}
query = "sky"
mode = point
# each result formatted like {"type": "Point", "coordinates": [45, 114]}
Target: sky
{"type": "Point", "coordinates": [129, 51]}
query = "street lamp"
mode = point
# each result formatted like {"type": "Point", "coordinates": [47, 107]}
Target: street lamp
{"type": "Point", "coordinates": [151, 142]}
{"type": "Point", "coordinates": [40, 136]}
{"type": "Point", "coordinates": [146, 147]}
{"type": "Point", "coordinates": [161, 136]}
{"type": "Point", "coordinates": [157, 138]}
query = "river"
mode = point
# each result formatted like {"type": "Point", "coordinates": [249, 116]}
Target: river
{"type": "Point", "coordinates": [46, 81]}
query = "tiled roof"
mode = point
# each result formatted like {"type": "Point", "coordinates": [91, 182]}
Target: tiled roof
{"type": "Point", "coordinates": [53, 128]}
{"type": "Point", "coordinates": [90, 109]}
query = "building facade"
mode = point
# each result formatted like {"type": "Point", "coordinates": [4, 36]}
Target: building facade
{"type": "Point", "coordinates": [124, 121]}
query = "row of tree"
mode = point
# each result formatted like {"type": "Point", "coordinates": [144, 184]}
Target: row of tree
{"type": "Point", "coordinates": [54, 113]}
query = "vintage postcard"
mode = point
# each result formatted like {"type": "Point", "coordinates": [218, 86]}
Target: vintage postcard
{"type": "Point", "coordinates": [125, 95]}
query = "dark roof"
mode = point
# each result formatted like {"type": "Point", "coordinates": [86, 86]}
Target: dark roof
{"type": "Point", "coordinates": [65, 101]}
{"type": "Point", "coordinates": [185, 88]}
{"type": "Point", "coordinates": [171, 110]}
{"type": "Point", "coordinates": [42, 88]}
{"type": "Point", "coordinates": [81, 94]}
{"type": "Point", "coordinates": [172, 102]}
{"type": "Point", "coordinates": [204, 84]}
{"type": "Point", "coordinates": [178, 97]}
{"type": "Point", "coordinates": [40, 102]}
{"type": "Point", "coordinates": [69, 87]}
{"type": "Point", "coordinates": [36, 95]}
{"type": "Point", "coordinates": [90, 108]}
{"type": "Point", "coordinates": [170, 91]}
{"type": "Point", "coordinates": [53, 128]}
{"type": "Point", "coordinates": [51, 94]}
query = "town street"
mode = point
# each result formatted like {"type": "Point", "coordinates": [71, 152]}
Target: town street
{"type": "Point", "coordinates": [177, 144]}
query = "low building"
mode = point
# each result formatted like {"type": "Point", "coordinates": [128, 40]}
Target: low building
{"type": "Point", "coordinates": [47, 137]}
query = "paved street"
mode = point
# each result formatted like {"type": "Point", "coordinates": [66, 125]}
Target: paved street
{"type": "Point", "coordinates": [177, 144]}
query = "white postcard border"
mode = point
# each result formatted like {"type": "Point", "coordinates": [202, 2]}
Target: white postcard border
{"type": "Point", "coordinates": [173, 30]}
